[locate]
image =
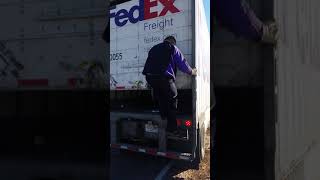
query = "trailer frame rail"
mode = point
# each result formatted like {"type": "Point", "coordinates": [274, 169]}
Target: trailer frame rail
{"type": "Point", "coordinates": [153, 151]}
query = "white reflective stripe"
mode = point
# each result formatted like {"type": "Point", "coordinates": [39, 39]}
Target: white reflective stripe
{"type": "Point", "coordinates": [123, 147]}
{"type": "Point", "coordinates": [142, 150]}
{"type": "Point", "coordinates": [184, 157]}
{"type": "Point", "coordinates": [161, 153]}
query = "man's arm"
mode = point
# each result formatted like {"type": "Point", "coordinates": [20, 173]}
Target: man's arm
{"type": "Point", "coordinates": [182, 62]}
{"type": "Point", "coordinates": [239, 18]}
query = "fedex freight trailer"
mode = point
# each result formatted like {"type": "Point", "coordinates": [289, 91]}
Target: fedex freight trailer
{"type": "Point", "coordinates": [135, 27]}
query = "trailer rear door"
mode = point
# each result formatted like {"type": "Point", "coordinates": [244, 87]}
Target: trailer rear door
{"type": "Point", "coordinates": [298, 87]}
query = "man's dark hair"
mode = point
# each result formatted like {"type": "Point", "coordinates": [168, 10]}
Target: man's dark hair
{"type": "Point", "coordinates": [171, 39]}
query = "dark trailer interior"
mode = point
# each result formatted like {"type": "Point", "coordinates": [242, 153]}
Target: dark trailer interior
{"type": "Point", "coordinates": [53, 134]}
{"type": "Point", "coordinates": [243, 74]}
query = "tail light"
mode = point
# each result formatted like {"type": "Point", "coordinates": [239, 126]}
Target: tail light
{"type": "Point", "coordinates": [188, 123]}
{"type": "Point", "coordinates": [184, 123]}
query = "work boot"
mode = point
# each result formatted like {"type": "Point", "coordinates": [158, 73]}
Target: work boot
{"type": "Point", "coordinates": [173, 133]}
{"type": "Point", "coordinates": [177, 133]}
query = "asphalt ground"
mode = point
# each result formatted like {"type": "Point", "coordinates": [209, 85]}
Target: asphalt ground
{"type": "Point", "coordinates": [126, 165]}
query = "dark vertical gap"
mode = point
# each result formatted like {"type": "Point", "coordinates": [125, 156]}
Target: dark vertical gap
{"type": "Point", "coordinates": [239, 114]}
{"type": "Point", "coordinates": [239, 129]}
{"type": "Point", "coordinates": [269, 98]}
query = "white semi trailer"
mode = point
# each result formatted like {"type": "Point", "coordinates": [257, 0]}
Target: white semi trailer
{"type": "Point", "coordinates": [136, 26]}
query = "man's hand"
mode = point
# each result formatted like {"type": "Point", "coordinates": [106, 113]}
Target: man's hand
{"type": "Point", "coordinates": [270, 33]}
{"type": "Point", "coordinates": [194, 72]}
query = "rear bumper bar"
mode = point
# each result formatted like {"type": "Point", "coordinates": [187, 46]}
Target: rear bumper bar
{"type": "Point", "coordinates": [154, 152]}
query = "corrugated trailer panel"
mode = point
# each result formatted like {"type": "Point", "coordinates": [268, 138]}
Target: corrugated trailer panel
{"type": "Point", "coordinates": [298, 87]}
{"type": "Point", "coordinates": [51, 39]}
{"type": "Point", "coordinates": [202, 63]}
{"type": "Point", "coordinates": [131, 42]}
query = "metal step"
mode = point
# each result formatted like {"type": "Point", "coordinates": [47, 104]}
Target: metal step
{"type": "Point", "coordinates": [177, 138]}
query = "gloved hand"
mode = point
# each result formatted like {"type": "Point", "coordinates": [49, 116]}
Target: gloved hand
{"type": "Point", "coordinates": [194, 72]}
{"type": "Point", "coordinates": [270, 33]}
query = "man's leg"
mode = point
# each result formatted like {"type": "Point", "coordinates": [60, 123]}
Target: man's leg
{"type": "Point", "coordinates": [163, 101]}
{"type": "Point", "coordinates": [166, 93]}
{"type": "Point", "coordinates": [159, 95]}
{"type": "Point", "coordinates": [172, 106]}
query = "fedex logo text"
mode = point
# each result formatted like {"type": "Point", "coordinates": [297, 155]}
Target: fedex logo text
{"type": "Point", "coordinates": [144, 10]}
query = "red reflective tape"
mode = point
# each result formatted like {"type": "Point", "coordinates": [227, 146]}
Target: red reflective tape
{"type": "Point", "coordinates": [179, 122]}
{"type": "Point", "coordinates": [172, 155]}
{"type": "Point", "coordinates": [33, 82]}
{"type": "Point", "coordinates": [120, 87]}
{"type": "Point", "coordinates": [152, 151]}
{"type": "Point", "coordinates": [73, 81]}
{"type": "Point", "coordinates": [115, 145]}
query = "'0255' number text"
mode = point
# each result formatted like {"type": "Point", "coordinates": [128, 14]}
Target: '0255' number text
{"type": "Point", "coordinates": [116, 57]}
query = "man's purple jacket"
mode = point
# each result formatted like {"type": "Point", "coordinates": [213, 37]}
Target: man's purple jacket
{"type": "Point", "coordinates": [237, 16]}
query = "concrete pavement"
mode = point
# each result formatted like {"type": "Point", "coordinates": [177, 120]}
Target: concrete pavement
{"type": "Point", "coordinates": [130, 166]}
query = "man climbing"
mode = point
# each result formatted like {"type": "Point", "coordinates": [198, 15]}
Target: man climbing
{"type": "Point", "coordinates": [160, 71]}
